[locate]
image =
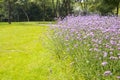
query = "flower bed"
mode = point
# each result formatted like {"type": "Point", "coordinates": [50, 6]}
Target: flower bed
{"type": "Point", "coordinates": [92, 43]}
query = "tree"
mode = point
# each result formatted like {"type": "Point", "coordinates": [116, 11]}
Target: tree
{"type": "Point", "coordinates": [9, 12]}
{"type": "Point", "coordinates": [54, 10]}
{"type": "Point", "coordinates": [24, 5]}
{"type": "Point", "coordinates": [85, 5]}
{"type": "Point", "coordinates": [6, 5]}
{"type": "Point", "coordinates": [115, 4]}
{"type": "Point", "coordinates": [42, 4]}
{"type": "Point", "coordinates": [107, 6]}
{"type": "Point", "coordinates": [50, 8]}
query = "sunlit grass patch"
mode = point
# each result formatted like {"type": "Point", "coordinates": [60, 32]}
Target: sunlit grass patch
{"type": "Point", "coordinates": [24, 55]}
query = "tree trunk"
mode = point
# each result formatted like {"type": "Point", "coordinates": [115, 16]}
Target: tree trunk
{"type": "Point", "coordinates": [9, 12]}
{"type": "Point", "coordinates": [54, 12]}
{"type": "Point", "coordinates": [57, 8]}
{"type": "Point", "coordinates": [44, 12]}
{"type": "Point", "coordinates": [18, 18]}
{"type": "Point", "coordinates": [26, 14]}
{"type": "Point", "coordinates": [117, 9]}
{"type": "Point", "coordinates": [68, 6]}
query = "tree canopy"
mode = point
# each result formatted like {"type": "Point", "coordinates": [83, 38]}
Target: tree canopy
{"type": "Point", "coordinates": [36, 10]}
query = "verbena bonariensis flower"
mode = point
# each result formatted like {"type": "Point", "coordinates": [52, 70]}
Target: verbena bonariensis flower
{"type": "Point", "coordinates": [105, 54]}
{"type": "Point", "coordinates": [107, 73]}
{"type": "Point", "coordinates": [102, 34]}
{"type": "Point", "coordinates": [118, 77]}
{"type": "Point", "coordinates": [104, 63]}
{"type": "Point", "coordinates": [113, 58]}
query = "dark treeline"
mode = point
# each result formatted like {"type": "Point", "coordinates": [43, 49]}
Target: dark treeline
{"type": "Point", "coordinates": [47, 10]}
{"type": "Point", "coordinates": [34, 10]}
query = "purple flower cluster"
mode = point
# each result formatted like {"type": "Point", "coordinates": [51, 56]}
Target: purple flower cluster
{"type": "Point", "coordinates": [107, 73]}
{"type": "Point", "coordinates": [104, 63]}
{"type": "Point", "coordinates": [95, 35]}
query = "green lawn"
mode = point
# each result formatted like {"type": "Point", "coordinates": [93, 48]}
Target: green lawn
{"type": "Point", "coordinates": [24, 56]}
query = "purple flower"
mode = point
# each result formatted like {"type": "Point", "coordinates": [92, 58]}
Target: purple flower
{"type": "Point", "coordinates": [67, 38]}
{"type": "Point", "coordinates": [102, 33]}
{"type": "Point", "coordinates": [113, 58]}
{"type": "Point", "coordinates": [107, 73]}
{"type": "Point", "coordinates": [104, 63]}
{"type": "Point", "coordinates": [91, 34]}
{"type": "Point", "coordinates": [96, 49]}
{"type": "Point", "coordinates": [105, 54]}
{"type": "Point", "coordinates": [111, 53]}
{"type": "Point", "coordinates": [118, 77]}
{"type": "Point", "coordinates": [119, 48]}
{"type": "Point", "coordinates": [107, 46]}
{"type": "Point", "coordinates": [113, 42]}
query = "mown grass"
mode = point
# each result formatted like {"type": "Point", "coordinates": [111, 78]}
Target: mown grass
{"type": "Point", "coordinates": [24, 55]}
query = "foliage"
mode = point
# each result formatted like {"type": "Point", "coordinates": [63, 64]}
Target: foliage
{"type": "Point", "coordinates": [107, 6]}
{"type": "Point", "coordinates": [32, 10]}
